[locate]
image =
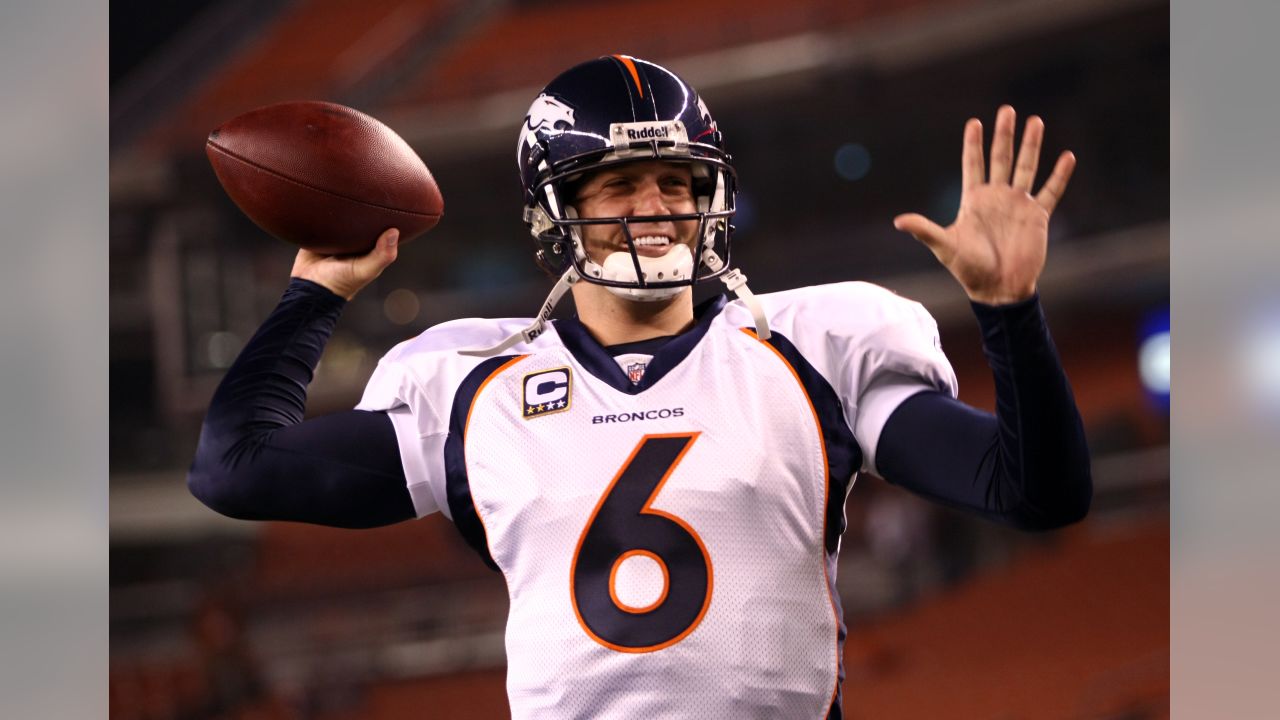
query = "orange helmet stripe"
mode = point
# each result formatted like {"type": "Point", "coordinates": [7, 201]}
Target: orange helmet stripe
{"type": "Point", "coordinates": [635, 74]}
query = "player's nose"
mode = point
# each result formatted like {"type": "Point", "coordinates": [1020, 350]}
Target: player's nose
{"type": "Point", "coordinates": [649, 200]}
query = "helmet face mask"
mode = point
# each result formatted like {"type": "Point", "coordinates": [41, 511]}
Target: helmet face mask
{"type": "Point", "coordinates": [605, 113]}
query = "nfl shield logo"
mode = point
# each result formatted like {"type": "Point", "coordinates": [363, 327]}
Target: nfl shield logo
{"type": "Point", "coordinates": [635, 371]}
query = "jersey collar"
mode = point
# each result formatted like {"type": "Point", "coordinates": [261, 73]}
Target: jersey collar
{"type": "Point", "coordinates": [597, 361]}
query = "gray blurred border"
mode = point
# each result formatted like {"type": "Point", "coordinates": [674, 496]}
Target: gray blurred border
{"type": "Point", "coordinates": [1225, 274]}
{"type": "Point", "coordinates": [53, 398]}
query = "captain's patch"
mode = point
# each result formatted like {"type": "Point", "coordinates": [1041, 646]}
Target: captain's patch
{"type": "Point", "coordinates": [547, 391]}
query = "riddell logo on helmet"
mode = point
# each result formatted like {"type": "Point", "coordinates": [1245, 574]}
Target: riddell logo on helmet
{"type": "Point", "coordinates": [649, 133]}
{"type": "Point", "coordinates": [621, 134]}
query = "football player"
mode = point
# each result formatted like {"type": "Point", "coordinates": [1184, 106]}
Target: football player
{"type": "Point", "coordinates": [662, 485]}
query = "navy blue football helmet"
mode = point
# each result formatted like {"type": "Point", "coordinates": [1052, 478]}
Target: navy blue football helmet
{"type": "Point", "coordinates": [608, 111]}
{"type": "Point", "coordinates": [618, 109]}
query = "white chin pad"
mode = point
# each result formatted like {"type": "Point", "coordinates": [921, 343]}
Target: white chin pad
{"type": "Point", "coordinates": [675, 265]}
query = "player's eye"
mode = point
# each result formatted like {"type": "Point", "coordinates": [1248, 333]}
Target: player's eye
{"type": "Point", "coordinates": [676, 184]}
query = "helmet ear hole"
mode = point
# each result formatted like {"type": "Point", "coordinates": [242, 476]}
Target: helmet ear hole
{"type": "Point", "coordinates": [553, 256]}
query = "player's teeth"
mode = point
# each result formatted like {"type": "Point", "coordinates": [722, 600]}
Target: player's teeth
{"type": "Point", "coordinates": [653, 240]}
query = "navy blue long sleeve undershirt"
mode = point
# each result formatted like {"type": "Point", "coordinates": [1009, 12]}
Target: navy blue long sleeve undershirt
{"type": "Point", "coordinates": [1027, 465]}
{"type": "Point", "coordinates": [259, 460]}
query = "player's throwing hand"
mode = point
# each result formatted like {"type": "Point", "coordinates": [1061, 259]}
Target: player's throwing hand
{"type": "Point", "coordinates": [996, 246]}
{"type": "Point", "coordinates": [345, 275]}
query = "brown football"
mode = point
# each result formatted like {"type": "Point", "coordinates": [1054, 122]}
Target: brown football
{"type": "Point", "coordinates": [324, 176]}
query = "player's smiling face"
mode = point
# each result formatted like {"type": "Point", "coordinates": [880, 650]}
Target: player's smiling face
{"type": "Point", "coordinates": [644, 188]}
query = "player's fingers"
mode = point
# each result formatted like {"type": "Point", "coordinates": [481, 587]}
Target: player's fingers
{"type": "Point", "coordinates": [389, 246]}
{"type": "Point", "coordinates": [389, 237]}
{"type": "Point", "coordinates": [383, 254]}
{"type": "Point", "coordinates": [1002, 145]}
{"type": "Point", "coordinates": [926, 231]}
{"type": "Point", "coordinates": [1056, 185]}
{"type": "Point", "coordinates": [972, 169]}
{"type": "Point", "coordinates": [1024, 173]}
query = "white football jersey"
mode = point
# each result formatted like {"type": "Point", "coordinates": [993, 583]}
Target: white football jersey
{"type": "Point", "coordinates": [667, 525]}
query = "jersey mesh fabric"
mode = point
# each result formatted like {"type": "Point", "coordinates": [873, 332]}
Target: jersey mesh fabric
{"type": "Point", "coordinates": [751, 485]}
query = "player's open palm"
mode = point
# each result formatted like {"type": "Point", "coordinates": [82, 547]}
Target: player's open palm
{"type": "Point", "coordinates": [996, 246]}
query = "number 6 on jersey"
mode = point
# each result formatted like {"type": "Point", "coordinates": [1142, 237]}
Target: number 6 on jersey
{"type": "Point", "coordinates": [624, 525]}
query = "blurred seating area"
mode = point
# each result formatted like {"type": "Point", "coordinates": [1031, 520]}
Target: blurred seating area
{"type": "Point", "coordinates": [523, 45]}
{"type": "Point", "coordinates": [313, 49]}
{"type": "Point", "coordinates": [1073, 628]}
{"type": "Point", "coordinates": [415, 53]}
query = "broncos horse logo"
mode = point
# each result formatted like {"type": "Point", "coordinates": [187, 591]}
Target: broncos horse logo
{"type": "Point", "coordinates": [548, 116]}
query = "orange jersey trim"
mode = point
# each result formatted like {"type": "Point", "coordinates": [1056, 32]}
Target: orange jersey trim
{"type": "Point", "coordinates": [466, 429]}
{"type": "Point", "coordinates": [826, 485]}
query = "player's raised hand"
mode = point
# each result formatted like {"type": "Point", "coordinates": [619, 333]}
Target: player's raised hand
{"type": "Point", "coordinates": [996, 246]}
{"type": "Point", "coordinates": [346, 275]}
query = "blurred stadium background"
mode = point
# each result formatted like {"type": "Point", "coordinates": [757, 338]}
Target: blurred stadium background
{"type": "Point", "coordinates": [840, 114]}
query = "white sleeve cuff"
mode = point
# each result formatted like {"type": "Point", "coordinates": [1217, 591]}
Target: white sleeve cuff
{"type": "Point", "coordinates": [877, 404]}
{"type": "Point", "coordinates": [423, 459]}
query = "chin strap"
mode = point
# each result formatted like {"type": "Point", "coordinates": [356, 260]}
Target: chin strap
{"type": "Point", "coordinates": [734, 280]}
{"type": "Point", "coordinates": [536, 327]}
{"type": "Point", "coordinates": [737, 283]}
